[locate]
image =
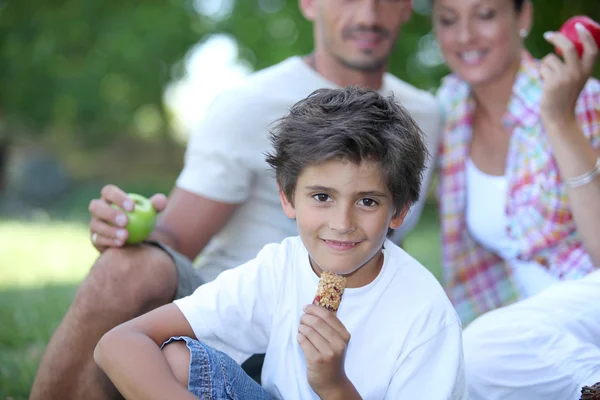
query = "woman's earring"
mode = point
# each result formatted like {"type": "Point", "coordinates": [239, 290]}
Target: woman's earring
{"type": "Point", "coordinates": [523, 33]}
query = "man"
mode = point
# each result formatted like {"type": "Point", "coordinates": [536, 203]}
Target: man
{"type": "Point", "coordinates": [225, 204]}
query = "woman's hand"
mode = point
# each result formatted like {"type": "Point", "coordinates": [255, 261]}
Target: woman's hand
{"type": "Point", "coordinates": [564, 79]}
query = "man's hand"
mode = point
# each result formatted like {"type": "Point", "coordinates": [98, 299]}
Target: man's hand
{"type": "Point", "coordinates": [107, 225]}
{"type": "Point", "coordinates": [323, 340]}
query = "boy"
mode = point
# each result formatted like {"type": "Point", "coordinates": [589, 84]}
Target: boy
{"type": "Point", "coordinates": [348, 163]}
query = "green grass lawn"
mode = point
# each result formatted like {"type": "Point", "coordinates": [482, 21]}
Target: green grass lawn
{"type": "Point", "coordinates": [42, 264]}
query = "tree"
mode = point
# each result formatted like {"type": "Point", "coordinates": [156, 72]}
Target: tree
{"type": "Point", "coordinates": [87, 67]}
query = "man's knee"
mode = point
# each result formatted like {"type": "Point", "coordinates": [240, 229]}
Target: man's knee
{"type": "Point", "coordinates": [178, 357]}
{"type": "Point", "coordinates": [129, 277]}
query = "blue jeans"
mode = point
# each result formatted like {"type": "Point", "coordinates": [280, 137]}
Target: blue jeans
{"type": "Point", "coordinates": [216, 376]}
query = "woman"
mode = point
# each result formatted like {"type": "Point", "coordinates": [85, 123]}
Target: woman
{"type": "Point", "coordinates": [520, 202]}
{"type": "Point", "coordinates": [520, 205]}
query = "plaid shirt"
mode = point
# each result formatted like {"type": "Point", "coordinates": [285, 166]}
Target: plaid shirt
{"type": "Point", "coordinates": [540, 225]}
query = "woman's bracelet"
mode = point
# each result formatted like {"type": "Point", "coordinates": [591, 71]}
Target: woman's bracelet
{"type": "Point", "coordinates": [584, 179]}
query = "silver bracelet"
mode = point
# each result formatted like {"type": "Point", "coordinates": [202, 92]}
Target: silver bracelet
{"type": "Point", "coordinates": [584, 179]}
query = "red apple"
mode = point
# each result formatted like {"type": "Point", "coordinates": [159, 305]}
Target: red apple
{"type": "Point", "coordinates": [568, 29]}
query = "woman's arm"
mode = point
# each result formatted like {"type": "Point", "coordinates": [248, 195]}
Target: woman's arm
{"type": "Point", "coordinates": [575, 156]}
{"type": "Point", "coordinates": [131, 357]}
{"type": "Point", "coordinates": [563, 82]}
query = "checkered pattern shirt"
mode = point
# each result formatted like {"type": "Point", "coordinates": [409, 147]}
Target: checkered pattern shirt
{"type": "Point", "coordinates": [540, 225]}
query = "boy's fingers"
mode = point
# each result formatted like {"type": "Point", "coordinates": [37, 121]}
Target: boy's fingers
{"type": "Point", "coordinates": [322, 346]}
{"type": "Point", "coordinates": [330, 318]}
{"type": "Point", "coordinates": [320, 326]}
{"type": "Point", "coordinates": [310, 352]}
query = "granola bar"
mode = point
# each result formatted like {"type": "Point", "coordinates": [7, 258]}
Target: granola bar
{"type": "Point", "coordinates": [330, 290]}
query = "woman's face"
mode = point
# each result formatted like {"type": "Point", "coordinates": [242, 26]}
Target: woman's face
{"type": "Point", "coordinates": [480, 39]}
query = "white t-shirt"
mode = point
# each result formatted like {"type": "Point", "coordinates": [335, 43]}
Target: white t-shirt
{"type": "Point", "coordinates": [487, 222]}
{"type": "Point", "coordinates": [225, 158]}
{"type": "Point", "coordinates": [406, 340]}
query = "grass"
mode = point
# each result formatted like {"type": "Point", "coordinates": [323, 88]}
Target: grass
{"type": "Point", "coordinates": [42, 264]}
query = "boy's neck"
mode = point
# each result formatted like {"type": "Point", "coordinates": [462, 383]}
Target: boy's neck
{"type": "Point", "coordinates": [361, 276]}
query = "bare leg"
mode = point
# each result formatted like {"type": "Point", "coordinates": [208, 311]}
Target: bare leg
{"type": "Point", "coordinates": [122, 284]}
{"type": "Point", "coordinates": [178, 357]}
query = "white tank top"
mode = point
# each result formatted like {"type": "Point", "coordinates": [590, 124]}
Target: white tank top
{"type": "Point", "coordinates": [487, 223]}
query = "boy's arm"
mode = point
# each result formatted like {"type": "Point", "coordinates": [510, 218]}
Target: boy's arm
{"type": "Point", "coordinates": [433, 370]}
{"type": "Point", "coordinates": [131, 357]}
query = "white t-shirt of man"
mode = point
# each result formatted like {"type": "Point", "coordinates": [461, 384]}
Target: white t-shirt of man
{"type": "Point", "coordinates": [225, 158]}
{"type": "Point", "coordinates": [406, 339]}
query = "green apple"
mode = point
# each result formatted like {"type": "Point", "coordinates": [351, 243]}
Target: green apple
{"type": "Point", "coordinates": [140, 221]}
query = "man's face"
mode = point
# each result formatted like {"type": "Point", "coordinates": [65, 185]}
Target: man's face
{"type": "Point", "coordinates": [343, 211]}
{"type": "Point", "coordinates": [359, 34]}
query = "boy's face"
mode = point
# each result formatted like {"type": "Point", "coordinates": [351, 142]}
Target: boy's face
{"type": "Point", "coordinates": [358, 33]}
{"type": "Point", "coordinates": [343, 211]}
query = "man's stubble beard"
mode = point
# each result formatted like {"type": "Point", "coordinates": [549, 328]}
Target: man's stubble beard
{"type": "Point", "coordinates": [376, 65]}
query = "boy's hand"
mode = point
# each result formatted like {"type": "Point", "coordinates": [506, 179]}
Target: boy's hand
{"type": "Point", "coordinates": [323, 339]}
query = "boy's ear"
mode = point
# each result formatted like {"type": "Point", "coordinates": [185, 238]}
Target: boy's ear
{"type": "Point", "coordinates": [288, 207]}
{"type": "Point", "coordinates": [309, 9]}
{"type": "Point", "coordinates": [399, 218]}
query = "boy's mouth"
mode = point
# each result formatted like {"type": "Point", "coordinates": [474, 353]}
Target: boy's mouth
{"type": "Point", "coordinates": [340, 245]}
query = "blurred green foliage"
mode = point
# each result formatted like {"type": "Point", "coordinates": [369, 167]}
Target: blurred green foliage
{"type": "Point", "coordinates": [87, 69]}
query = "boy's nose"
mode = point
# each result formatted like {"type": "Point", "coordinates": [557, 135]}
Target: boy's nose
{"type": "Point", "coordinates": [342, 221]}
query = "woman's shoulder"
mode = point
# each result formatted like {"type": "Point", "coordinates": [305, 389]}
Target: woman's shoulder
{"type": "Point", "coordinates": [451, 83]}
{"type": "Point", "coordinates": [452, 90]}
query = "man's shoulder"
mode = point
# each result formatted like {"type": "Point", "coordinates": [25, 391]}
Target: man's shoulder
{"type": "Point", "coordinates": [261, 97]}
{"type": "Point", "coordinates": [264, 83]}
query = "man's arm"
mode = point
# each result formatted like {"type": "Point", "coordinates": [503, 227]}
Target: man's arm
{"type": "Point", "coordinates": [131, 357]}
{"type": "Point", "coordinates": [217, 175]}
{"type": "Point", "coordinates": [189, 221]}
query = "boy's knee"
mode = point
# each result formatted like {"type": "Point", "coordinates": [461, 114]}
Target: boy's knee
{"type": "Point", "coordinates": [128, 277]}
{"type": "Point", "coordinates": [178, 357]}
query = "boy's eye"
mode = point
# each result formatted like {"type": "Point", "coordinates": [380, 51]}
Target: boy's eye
{"type": "Point", "coordinates": [321, 197]}
{"type": "Point", "coordinates": [368, 202]}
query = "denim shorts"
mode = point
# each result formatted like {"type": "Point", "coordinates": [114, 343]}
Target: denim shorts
{"type": "Point", "coordinates": [213, 375]}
